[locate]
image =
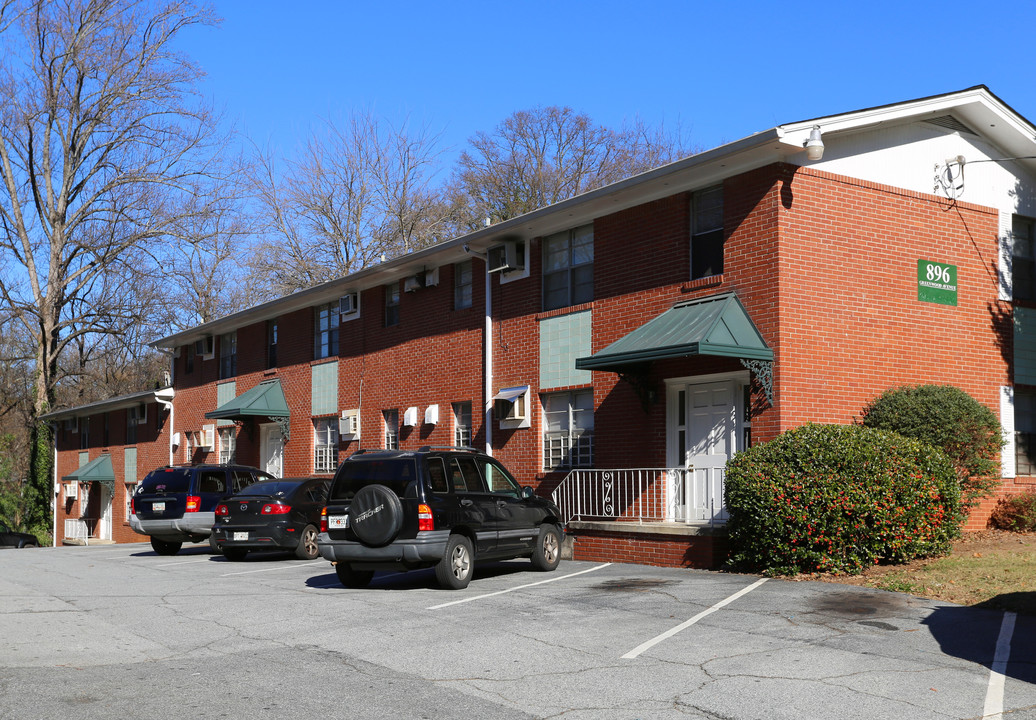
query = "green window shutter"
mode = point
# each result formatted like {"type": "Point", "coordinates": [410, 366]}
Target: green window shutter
{"type": "Point", "coordinates": [129, 461]}
{"type": "Point", "coordinates": [562, 340]}
{"type": "Point", "coordinates": [225, 392]}
{"type": "Point", "coordinates": [325, 388]}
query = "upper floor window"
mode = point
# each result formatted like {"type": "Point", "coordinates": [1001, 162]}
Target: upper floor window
{"type": "Point", "coordinates": [707, 232]}
{"type": "Point", "coordinates": [462, 283]}
{"type": "Point", "coordinates": [228, 355]}
{"type": "Point", "coordinates": [325, 330]}
{"type": "Point", "coordinates": [84, 433]}
{"type": "Point", "coordinates": [325, 445]}
{"type": "Point", "coordinates": [568, 440]}
{"type": "Point", "coordinates": [462, 424]}
{"type": "Point", "coordinates": [568, 267]}
{"type": "Point", "coordinates": [392, 304]}
{"type": "Point", "coordinates": [132, 420]}
{"type": "Point", "coordinates": [271, 344]}
{"type": "Point", "coordinates": [1023, 258]}
{"type": "Point", "coordinates": [391, 429]}
{"type": "Point", "coordinates": [188, 358]}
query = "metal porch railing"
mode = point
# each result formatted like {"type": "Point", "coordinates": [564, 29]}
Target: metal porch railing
{"type": "Point", "coordinates": [643, 495]}
{"type": "Point", "coordinates": [79, 528]}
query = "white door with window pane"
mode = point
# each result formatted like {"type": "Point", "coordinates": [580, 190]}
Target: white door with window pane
{"type": "Point", "coordinates": [271, 449]}
{"type": "Point", "coordinates": [702, 437]}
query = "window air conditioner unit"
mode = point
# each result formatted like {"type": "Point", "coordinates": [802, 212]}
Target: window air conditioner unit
{"type": "Point", "coordinates": [414, 282]}
{"type": "Point", "coordinates": [72, 424]}
{"type": "Point", "coordinates": [431, 277]}
{"type": "Point", "coordinates": [410, 417]}
{"type": "Point", "coordinates": [347, 304]}
{"type": "Point", "coordinates": [207, 439]}
{"type": "Point", "coordinates": [508, 256]}
{"type": "Point", "coordinates": [205, 347]}
{"type": "Point", "coordinates": [72, 490]}
{"type": "Point", "coordinates": [431, 415]}
{"type": "Point", "coordinates": [141, 413]}
{"type": "Point", "coordinates": [349, 425]}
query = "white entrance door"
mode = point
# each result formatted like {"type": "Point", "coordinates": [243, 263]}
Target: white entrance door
{"type": "Point", "coordinates": [271, 449]}
{"type": "Point", "coordinates": [703, 419]}
{"type": "Point", "coordinates": [106, 513]}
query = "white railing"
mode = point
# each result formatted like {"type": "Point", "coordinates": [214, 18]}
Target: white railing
{"type": "Point", "coordinates": [78, 528]}
{"type": "Point", "coordinates": [642, 495]}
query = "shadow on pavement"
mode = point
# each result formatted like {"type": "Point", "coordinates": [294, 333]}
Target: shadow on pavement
{"type": "Point", "coordinates": [971, 633]}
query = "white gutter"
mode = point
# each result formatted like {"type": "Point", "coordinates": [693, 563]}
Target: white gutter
{"type": "Point", "coordinates": [487, 350]}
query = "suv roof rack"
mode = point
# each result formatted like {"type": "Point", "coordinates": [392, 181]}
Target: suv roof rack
{"type": "Point", "coordinates": [463, 448]}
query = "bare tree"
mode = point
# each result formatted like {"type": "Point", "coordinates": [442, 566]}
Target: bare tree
{"type": "Point", "coordinates": [360, 193]}
{"type": "Point", "coordinates": [103, 150]}
{"type": "Point", "coordinates": [539, 157]}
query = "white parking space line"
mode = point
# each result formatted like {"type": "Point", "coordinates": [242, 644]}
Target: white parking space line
{"type": "Point", "coordinates": [183, 562]}
{"type": "Point", "coordinates": [285, 566]}
{"type": "Point", "coordinates": [684, 625]}
{"type": "Point", "coordinates": [994, 707]}
{"type": "Point", "coordinates": [520, 587]}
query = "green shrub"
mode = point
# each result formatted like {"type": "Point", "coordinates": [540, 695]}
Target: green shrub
{"type": "Point", "coordinates": [951, 420]}
{"type": "Point", "coordinates": [1017, 513]}
{"type": "Point", "coordinates": [836, 498]}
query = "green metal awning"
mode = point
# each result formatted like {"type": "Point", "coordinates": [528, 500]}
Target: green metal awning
{"type": "Point", "coordinates": [717, 325]}
{"type": "Point", "coordinates": [264, 400]}
{"type": "Point", "coordinates": [97, 470]}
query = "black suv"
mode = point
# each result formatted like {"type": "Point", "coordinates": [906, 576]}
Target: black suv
{"type": "Point", "coordinates": [176, 504]}
{"type": "Point", "coordinates": [441, 508]}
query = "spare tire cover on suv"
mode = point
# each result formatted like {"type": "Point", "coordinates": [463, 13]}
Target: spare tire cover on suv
{"type": "Point", "coordinates": [375, 515]}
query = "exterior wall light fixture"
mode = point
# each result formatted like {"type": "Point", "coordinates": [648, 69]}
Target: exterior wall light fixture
{"type": "Point", "coordinates": [815, 144]}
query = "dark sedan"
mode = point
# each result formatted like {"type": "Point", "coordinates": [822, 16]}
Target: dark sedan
{"type": "Point", "coordinates": [271, 515]}
{"type": "Point", "coordinates": [10, 538]}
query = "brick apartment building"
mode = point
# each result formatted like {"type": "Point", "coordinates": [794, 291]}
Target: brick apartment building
{"type": "Point", "coordinates": [615, 349]}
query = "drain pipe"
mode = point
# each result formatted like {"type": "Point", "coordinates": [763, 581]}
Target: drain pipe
{"type": "Point", "coordinates": [487, 354]}
{"type": "Point", "coordinates": [166, 400]}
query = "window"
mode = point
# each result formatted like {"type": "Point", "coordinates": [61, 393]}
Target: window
{"type": "Point", "coordinates": [228, 355]}
{"type": "Point", "coordinates": [106, 436]}
{"type": "Point", "coordinates": [271, 344]}
{"type": "Point", "coordinates": [568, 267]}
{"type": "Point", "coordinates": [462, 284]}
{"type": "Point", "coordinates": [84, 433]}
{"type": "Point", "coordinates": [392, 304]}
{"type": "Point", "coordinates": [188, 358]}
{"type": "Point", "coordinates": [569, 437]}
{"type": "Point", "coordinates": [462, 424]}
{"type": "Point", "coordinates": [1023, 258]}
{"type": "Point", "coordinates": [325, 445]}
{"type": "Point", "coordinates": [391, 429]}
{"type": "Point", "coordinates": [1025, 431]}
{"type": "Point", "coordinates": [132, 420]}
{"type": "Point", "coordinates": [707, 233]}
{"type": "Point", "coordinates": [227, 445]}
{"type": "Point", "coordinates": [325, 331]}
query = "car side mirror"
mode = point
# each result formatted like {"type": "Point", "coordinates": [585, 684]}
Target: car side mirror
{"type": "Point", "coordinates": [527, 493]}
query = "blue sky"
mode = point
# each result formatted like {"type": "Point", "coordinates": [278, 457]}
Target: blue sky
{"type": "Point", "coordinates": [720, 70]}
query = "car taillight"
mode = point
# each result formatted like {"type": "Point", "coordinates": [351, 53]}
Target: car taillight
{"type": "Point", "coordinates": [193, 504]}
{"type": "Point", "coordinates": [273, 509]}
{"type": "Point", "coordinates": [133, 506]}
{"type": "Point", "coordinates": [323, 520]}
{"type": "Point", "coordinates": [222, 510]}
{"type": "Point", "coordinates": [424, 518]}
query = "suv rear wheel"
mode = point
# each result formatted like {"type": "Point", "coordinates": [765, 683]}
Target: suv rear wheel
{"type": "Point", "coordinates": [547, 553]}
{"type": "Point", "coordinates": [165, 547]}
{"type": "Point", "coordinates": [457, 566]}
{"type": "Point", "coordinates": [353, 578]}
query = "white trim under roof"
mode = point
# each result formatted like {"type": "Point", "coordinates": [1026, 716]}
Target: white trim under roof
{"type": "Point", "coordinates": [162, 395]}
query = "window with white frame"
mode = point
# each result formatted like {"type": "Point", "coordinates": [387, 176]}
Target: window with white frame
{"type": "Point", "coordinates": [1023, 258]}
{"type": "Point", "coordinates": [325, 331]}
{"type": "Point", "coordinates": [391, 429]}
{"type": "Point", "coordinates": [568, 267]}
{"type": "Point", "coordinates": [1025, 431]}
{"type": "Point", "coordinates": [227, 445]}
{"type": "Point", "coordinates": [463, 280]}
{"type": "Point", "coordinates": [228, 355]}
{"type": "Point", "coordinates": [462, 424]}
{"type": "Point", "coordinates": [392, 304]}
{"type": "Point", "coordinates": [707, 232]}
{"type": "Point", "coordinates": [568, 438]}
{"type": "Point", "coordinates": [325, 445]}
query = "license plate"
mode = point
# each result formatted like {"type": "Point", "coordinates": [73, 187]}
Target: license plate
{"type": "Point", "coordinates": [240, 536]}
{"type": "Point", "coordinates": [338, 521]}
{"type": "Point", "coordinates": [158, 507]}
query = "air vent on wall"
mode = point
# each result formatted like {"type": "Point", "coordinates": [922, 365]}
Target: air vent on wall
{"type": "Point", "coordinates": [951, 123]}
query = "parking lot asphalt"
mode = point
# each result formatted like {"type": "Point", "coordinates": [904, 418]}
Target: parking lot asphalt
{"type": "Point", "coordinates": [118, 631]}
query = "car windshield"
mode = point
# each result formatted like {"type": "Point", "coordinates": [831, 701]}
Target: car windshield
{"type": "Point", "coordinates": [269, 488]}
{"type": "Point", "coordinates": [355, 474]}
{"type": "Point", "coordinates": [173, 480]}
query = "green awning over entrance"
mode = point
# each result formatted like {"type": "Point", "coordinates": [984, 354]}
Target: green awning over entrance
{"type": "Point", "coordinates": [97, 470]}
{"type": "Point", "coordinates": [717, 325]}
{"type": "Point", "coordinates": [264, 400]}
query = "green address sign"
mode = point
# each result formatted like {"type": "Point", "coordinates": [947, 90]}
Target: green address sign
{"type": "Point", "coordinates": [936, 282]}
